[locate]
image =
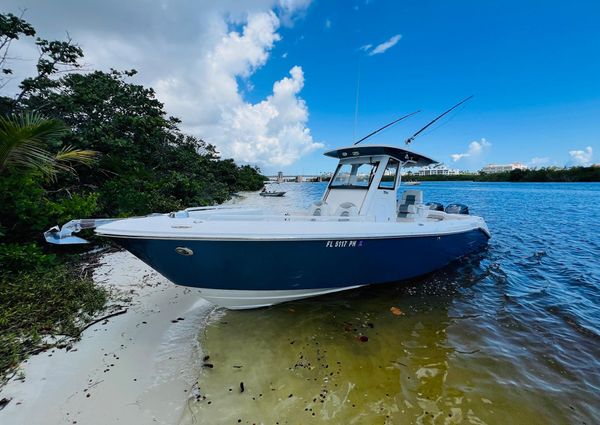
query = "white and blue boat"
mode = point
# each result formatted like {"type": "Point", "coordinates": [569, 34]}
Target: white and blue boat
{"type": "Point", "coordinates": [365, 230]}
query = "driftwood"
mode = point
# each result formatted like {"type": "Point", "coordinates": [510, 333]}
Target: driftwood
{"type": "Point", "coordinates": [44, 347]}
{"type": "Point", "coordinates": [4, 402]}
{"type": "Point", "coordinates": [100, 319]}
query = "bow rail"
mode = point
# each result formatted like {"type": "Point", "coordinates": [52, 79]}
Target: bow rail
{"type": "Point", "coordinates": [64, 235]}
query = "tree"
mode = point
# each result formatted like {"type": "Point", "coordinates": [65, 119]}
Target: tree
{"type": "Point", "coordinates": [24, 143]}
{"type": "Point", "coordinates": [147, 164]}
{"type": "Point", "coordinates": [11, 28]}
{"type": "Point", "coordinates": [55, 57]}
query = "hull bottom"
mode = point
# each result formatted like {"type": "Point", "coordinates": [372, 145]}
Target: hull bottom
{"type": "Point", "coordinates": [245, 300]}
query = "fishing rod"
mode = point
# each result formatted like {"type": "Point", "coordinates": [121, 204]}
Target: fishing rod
{"type": "Point", "coordinates": [386, 126]}
{"type": "Point", "coordinates": [411, 138]}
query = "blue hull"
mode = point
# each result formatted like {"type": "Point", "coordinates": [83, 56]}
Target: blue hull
{"type": "Point", "coordinates": [301, 264]}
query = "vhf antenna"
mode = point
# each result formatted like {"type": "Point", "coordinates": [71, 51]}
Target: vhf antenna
{"type": "Point", "coordinates": [386, 126]}
{"type": "Point", "coordinates": [411, 138]}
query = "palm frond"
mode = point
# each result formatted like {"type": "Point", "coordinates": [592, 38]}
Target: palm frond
{"type": "Point", "coordinates": [68, 156]}
{"type": "Point", "coordinates": [24, 140]}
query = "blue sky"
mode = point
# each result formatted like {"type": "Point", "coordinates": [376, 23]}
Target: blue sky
{"type": "Point", "coordinates": [273, 82]}
{"type": "Point", "coordinates": [534, 68]}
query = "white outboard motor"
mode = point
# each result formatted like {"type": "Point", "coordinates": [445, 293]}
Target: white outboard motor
{"type": "Point", "coordinates": [457, 209]}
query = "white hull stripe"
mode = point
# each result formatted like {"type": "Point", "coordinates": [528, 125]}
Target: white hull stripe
{"type": "Point", "coordinates": [241, 300]}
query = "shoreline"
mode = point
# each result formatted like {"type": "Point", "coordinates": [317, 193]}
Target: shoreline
{"type": "Point", "coordinates": [135, 368]}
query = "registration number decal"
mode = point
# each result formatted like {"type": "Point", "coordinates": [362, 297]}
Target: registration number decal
{"type": "Point", "coordinates": [343, 244]}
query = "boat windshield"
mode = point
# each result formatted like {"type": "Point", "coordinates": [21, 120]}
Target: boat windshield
{"type": "Point", "coordinates": [388, 181]}
{"type": "Point", "coordinates": [354, 176]}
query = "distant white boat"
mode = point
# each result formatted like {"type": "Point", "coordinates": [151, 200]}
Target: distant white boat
{"type": "Point", "coordinates": [272, 194]}
{"type": "Point", "coordinates": [412, 183]}
{"type": "Point", "coordinates": [359, 233]}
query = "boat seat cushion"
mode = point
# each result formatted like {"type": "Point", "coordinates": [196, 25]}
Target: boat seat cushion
{"type": "Point", "coordinates": [319, 208]}
{"type": "Point", "coordinates": [346, 209]}
{"type": "Point", "coordinates": [410, 198]}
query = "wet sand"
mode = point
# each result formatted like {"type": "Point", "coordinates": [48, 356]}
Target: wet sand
{"type": "Point", "coordinates": [136, 368]}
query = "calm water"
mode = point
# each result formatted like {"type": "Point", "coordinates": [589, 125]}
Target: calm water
{"type": "Point", "coordinates": [510, 335]}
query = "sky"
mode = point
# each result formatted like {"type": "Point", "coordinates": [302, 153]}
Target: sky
{"type": "Point", "coordinates": [275, 83]}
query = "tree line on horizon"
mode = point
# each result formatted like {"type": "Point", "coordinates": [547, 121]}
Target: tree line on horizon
{"type": "Point", "coordinates": [536, 175]}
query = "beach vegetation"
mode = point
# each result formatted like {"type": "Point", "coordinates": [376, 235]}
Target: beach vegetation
{"type": "Point", "coordinates": [42, 306]}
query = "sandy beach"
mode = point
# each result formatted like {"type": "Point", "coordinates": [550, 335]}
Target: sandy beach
{"type": "Point", "coordinates": [134, 368]}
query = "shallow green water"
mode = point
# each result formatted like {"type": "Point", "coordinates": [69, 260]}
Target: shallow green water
{"type": "Point", "coordinates": [306, 362]}
{"type": "Point", "coordinates": [507, 336]}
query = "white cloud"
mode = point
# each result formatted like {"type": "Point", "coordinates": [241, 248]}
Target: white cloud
{"type": "Point", "coordinates": [199, 71]}
{"type": "Point", "coordinates": [383, 47]}
{"type": "Point", "coordinates": [539, 161]}
{"type": "Point", "coordinates": [272, 132]}
{"type": "Point", "coordinates": [475, 149]}
{"type": "Point", "coordinates": [288, 9]}
{"type": "Point", "coordinates": [583, 157]}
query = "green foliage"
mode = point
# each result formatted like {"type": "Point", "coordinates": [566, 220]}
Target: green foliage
{"type": "Point", "coordinates": [28, 256]}
{"type": "Point", "coordinates": [249, 178]}
{"type": "Point", "coordinates": [11, 28]}
{"type": "Point", "coordinates": [147, 164]}
{"type": "Point", "coordinates": [55, 56]}
{"type": "Point", "coordinates": [47, 300]}
{"type": "Point", "coordinates": [24, 142]}
{"type": "Point", "coordinates": [27, 209]}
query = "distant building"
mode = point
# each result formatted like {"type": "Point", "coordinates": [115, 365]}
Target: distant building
{"type": "Point", "coordinates": [299, 179]}
{"type": "Point", "coordinates": [437, 170]}
{"type": "Point", "coordinates": [325, 177]}
{"type": "Point", "coordinates": [503, 168]}
{"type": "Point", "coordinates": [280, 177]}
